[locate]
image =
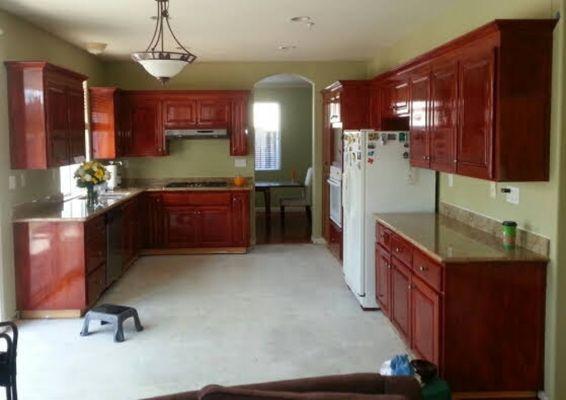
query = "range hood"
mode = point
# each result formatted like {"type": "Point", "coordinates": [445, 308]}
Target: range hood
{"type": "Point", "coordinates": [196, 134]}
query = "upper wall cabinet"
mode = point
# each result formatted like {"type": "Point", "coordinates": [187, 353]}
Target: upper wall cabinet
{"type": "Point", "coordinates": [348, 103]}
{"type": "Point", "coordinates": [479, 105]}
{"type": "Point", "coordinates": [46, 113]}
{"type": "Point", "coordinates": [133, 123]}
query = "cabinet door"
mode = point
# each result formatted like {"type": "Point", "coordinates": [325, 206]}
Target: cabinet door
{"type": "Point", "coordinates": [443, 105]}
{"type": "Point", "coordinates": [147, 138]}
{"type": "Point", "coordinates": [475, 128]}
{"type": "Point", "coordinates": [213, 113]}
{"type": "Point", "coordinates": [181, 226]}
{"type": "Point", "coordinates": [419, 121]}
{"type": "Point", "coordinates": [425, 321]}
{"type": "Point", "coordinates": [400, 298]}
{"type": "Point", "coordinates": [241, 219]}
{"type": "Point", "coordinates": [57, 125]}
{"type": "Point", "coordinates": [180, 113]}
{"type": "Point", "coordinates": [215, 226]}
{"type": "Point", "coordinates": [153, 221]}
{"type": "Point", "coordinates": [382, 276]}
{"type": "Point", "coordinates": [400, 99]}
{"type": "Point", "coordinates": [76, 125]}
{"type": "Point", "coordinates": [239, 128]}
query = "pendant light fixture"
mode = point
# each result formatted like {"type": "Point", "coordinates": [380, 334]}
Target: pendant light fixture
{"type": "Point", "coordinates": [155, 59]}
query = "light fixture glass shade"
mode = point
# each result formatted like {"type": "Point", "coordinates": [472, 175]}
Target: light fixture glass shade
{"type": "Point", "coordinates": [163, 69]}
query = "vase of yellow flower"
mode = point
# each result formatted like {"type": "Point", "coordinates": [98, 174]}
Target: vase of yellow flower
{"type": "Point", "coordinates": [89, 175]}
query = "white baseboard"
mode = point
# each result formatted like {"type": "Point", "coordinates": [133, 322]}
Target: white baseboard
{"type": "Point", "coordinates": [318, 240]}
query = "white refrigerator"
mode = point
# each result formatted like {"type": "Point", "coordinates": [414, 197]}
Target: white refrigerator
{"type": "Point", "coordinates": [377, 179]}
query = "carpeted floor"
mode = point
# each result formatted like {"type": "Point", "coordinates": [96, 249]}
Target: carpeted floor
{"type": "Point", "coordinates": [282, 311]}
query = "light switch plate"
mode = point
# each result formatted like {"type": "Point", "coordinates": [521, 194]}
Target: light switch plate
{"type": "Point", "coordinates": [12, 182]}
{"type": "Point", "coordinates": [513, 195]}
{"type": "Point", "coordinates": [240, 163]}
{"type": "Point", "coordinates": [450, 180]}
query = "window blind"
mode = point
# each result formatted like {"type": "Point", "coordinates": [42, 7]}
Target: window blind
{"type": "Point", "coordinates": [267, 136]}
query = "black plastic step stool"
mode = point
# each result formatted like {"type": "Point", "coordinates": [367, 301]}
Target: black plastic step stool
{"type": "Point", "coordinates": [112, 314]}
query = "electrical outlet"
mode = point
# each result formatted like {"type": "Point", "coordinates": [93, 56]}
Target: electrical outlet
{"type": "Point", "coordinates": [512, 194]}
{"type": "Point", "coordinates": [240, 163]}
{"type": "Point", "coordinates": [12, 182]}
{"type": "Point", "coordinates": [493, 190]}
{"type": "Point", "coordinates": [450, 180]}
{"type": "Point", "coordinates": [23, 179]}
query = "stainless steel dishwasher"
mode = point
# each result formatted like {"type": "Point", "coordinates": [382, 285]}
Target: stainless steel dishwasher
{"type": "Point", "coordinates": [114, 262]}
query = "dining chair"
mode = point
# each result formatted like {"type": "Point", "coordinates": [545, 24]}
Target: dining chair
{"type": "Point", "coordinates": [304, 200]}
{"type": "Point", "coordinates": [9, 333]}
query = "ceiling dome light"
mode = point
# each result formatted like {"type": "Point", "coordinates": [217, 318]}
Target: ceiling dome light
{"type": "Point", "coordinates": [95, 48]}
{"type": "Point", "coordinates": [158, 62]}
{"type": "Point", "coordinates": [286, 47]}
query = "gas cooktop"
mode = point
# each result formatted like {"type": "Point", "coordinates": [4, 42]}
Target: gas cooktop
{"type": "Point", "coordinates": [202, 184]}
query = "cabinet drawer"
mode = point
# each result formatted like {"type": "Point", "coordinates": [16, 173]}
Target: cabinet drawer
{"type": "Point", "coordinates": [95, 284]}
{"type": "Point", "coordinates": [427, 270]}
{"type": "Point", "coordinates": [197, 198]}
{"type": "Point", "coordinates": [401, 249]}
{"type": "Point", "coordinates": [383, 236]}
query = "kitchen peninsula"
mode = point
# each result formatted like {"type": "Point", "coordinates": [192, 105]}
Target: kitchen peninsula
{"type": "Point", "coordinates": [67, 254]}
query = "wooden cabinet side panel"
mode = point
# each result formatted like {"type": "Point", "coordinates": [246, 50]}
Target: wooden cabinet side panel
{"type": "Point", "coordinates": [494, 318]}
{"type": "Point", "coordinates": [241, 219]}
{"type": "Point", "coordinates": [104, 125]}
{"type": "Point", "coordinates": [523, 106]}
{"type": "Point", "coordinates": [50, 269]}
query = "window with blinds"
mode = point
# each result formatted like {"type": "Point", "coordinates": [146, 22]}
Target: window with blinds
{"type": "Point", "coordinates": [267, 127]}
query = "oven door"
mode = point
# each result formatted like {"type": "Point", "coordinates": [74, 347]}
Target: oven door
{"type": "Point", "coordinates": [335, 194]}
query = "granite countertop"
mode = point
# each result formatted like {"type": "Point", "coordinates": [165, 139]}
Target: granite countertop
{"type": "Point", "coordinates": [450, 241]}
{"type": "Point", "coordinates": [76, 210]}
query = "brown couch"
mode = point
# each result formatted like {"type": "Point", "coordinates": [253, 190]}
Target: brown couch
{"type": "Point", "coordinates": [338, 387]}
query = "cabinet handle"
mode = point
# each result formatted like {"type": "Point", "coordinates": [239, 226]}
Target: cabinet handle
{"type": "Point", "coordinates": [410, 286]}
{"type": "Point", "coordinates": [397, 250]}
{"type": "Point", "coordinates": [422, 269]}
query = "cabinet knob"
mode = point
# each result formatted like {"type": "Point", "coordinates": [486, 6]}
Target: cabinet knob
{"type": "Point", "coordinates": [455, 161]}
{"type": "Point", "coordinates": [421, 268]}
{"type": "Point", "coordinates": [410, 286]}
{"type": "Point", "coordinates": [397, 250]}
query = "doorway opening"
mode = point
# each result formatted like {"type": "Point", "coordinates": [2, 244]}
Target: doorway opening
{"type": "Point", "coordinates": [283, 148]}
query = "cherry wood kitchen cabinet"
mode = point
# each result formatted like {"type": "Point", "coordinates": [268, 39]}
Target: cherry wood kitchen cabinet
{"type": "Point", "coordinates": [206, 220]}
{"type": "Point", "coordinates": [486, 99]}
{"type": "Point", "coordinates": [350, 100]}
{"type": "Point", "coordinates": [419, 91]}
{"type": "Point", "coordinates": [133, 123]}
{"type": "Point", "coordinates": [146, 136]}
{"type": "Point", "coordinates": [60, 266]}
{"type": "Point", "coordinates": [107, 137]}
{"type": "Point", "coordinates": [461, 301]}
{"type": "Point", "coordinates": [47, 129]}
{"type": "Point", "coordinates": [443, 116]}
{"type": "Point", "coordinates": [153, 222]}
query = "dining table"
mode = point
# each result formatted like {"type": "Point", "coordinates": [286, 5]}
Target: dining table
{"type": "Point", "coordinates": [267, 186]}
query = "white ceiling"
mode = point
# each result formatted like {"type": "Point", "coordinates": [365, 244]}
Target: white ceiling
{"type": "Point", "coordinates": [236, 30]}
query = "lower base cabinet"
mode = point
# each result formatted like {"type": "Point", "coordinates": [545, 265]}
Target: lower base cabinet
{"type": "Point", "coordinates": [481, 322]}
{"type": "Point", "coordinates": [198, 220]}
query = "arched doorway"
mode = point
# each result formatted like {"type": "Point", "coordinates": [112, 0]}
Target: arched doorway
{"type": "Point", "coordinates": [283, 142]}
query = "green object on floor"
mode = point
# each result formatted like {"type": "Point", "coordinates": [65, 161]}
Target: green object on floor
{"type": "Point", "coordinates": [437, 389]}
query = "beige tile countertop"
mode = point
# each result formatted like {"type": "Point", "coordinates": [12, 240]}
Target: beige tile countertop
{"type": "Point", "coordinates": [451, 241]}
{"type": "Point", "coordinates": [76, 209]}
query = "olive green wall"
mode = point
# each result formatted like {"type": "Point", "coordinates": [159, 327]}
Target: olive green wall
{"type": "Point", "coordinates": [538, 210]}
{"type": "Point", "coordinates": [296, 136]}
{"type": "Point", "coordinates": [206, 158]}
{"type": "Point", "coordinates": [22, 41]}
